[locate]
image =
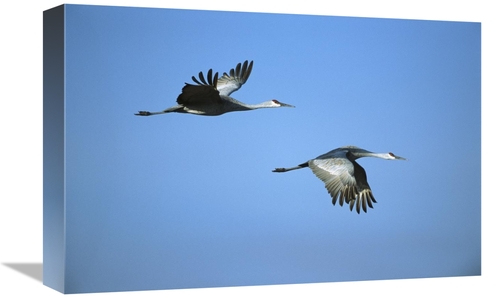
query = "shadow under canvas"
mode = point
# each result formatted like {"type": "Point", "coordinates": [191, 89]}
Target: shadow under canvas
{"type": "Point", "coordinates": [33, 270]}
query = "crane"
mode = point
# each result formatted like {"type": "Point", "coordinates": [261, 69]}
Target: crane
{"type": "Point", "coordinates": [344, 178]}
{"type": "Point", "coordinates": [211, 97]}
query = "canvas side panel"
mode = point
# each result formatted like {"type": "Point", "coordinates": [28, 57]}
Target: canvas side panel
{"type": "Point", "coordinates": [53, 148]}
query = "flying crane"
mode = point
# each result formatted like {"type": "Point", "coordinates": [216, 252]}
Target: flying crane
{"type": "Point", "coordinates": [211, 96]}
{"type": "Point", "coordinates": [344, 178]}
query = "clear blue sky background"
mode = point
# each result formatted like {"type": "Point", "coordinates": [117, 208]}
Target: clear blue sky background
{"type": "Point", "coordinates": [176, 200]}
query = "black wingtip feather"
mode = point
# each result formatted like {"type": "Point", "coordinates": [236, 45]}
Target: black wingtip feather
{"type": "Point", "coordinates": [202, 79]}
{"type": "Point", "coordinates": [238, 70]}
{"type": "Point", "coordinates": [209, 76]}
{"type": "Point", "coordinates": [212, 80]}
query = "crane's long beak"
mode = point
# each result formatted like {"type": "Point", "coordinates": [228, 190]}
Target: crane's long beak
{"type": "Point", "coordinates": [286, 105]}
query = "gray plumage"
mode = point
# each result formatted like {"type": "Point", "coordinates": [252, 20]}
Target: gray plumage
{"type": "Point", "coordinates": [211, 96]}
{"type": "Point", "coordinates": [344, 178]}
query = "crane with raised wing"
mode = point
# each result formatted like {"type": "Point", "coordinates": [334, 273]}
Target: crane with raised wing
{"type": "Point", "coordinates": [211, 96]}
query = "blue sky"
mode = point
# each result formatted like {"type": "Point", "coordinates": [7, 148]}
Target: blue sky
{"type": "Point", "coordinates": [187, 201]}
{"type": "Point", "coordinates": [175, 201]}
{"type": "Point", "coordinates": [21, 131]}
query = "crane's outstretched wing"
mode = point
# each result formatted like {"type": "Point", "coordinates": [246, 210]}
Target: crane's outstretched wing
{"type": "Point", "coordinates": [344, 181]}
{"type": "Point", "coordinates": [202, 93]}
{"type": "Point", "coordinates": [227, 84]}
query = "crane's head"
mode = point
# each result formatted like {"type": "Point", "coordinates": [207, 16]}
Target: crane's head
{"type": "Point", "coordinates": [277, 104]}
{"type": "Point", "coordinates": [358, 153]}
{"type": "Point", "coordinates": [391, 155]}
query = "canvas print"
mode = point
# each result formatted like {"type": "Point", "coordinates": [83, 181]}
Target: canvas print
{"type": "Point", "coordinates": [197, 149]}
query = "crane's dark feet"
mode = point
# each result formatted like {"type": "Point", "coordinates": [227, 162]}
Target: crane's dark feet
{"type": "Point", "coordinates": [279, 170]}
{"type": "Point", "coordinates": [143, 113]}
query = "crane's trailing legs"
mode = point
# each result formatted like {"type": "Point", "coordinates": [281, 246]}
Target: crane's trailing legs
{"type": "Point", "coordinates": [178, 109]}
{"type": "Point", "coordinates": [147, 113]}
{"type": "Point", "coordinates": [282, 170]}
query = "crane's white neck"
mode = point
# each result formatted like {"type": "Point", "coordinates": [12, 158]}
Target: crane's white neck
{"type": "Point", "coordinates": [365, 153]}
{"type": "Point", "coordinates": [388, 155]}
{"type": "Point", "coordinates": [265, 104]}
